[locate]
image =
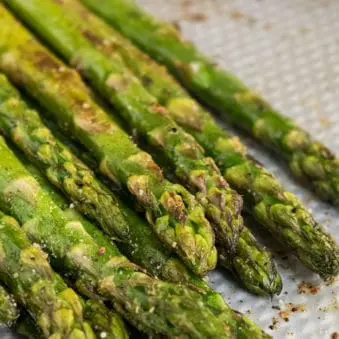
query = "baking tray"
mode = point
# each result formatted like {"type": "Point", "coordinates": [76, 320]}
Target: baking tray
{"type": "Point", "coordinates": [288, 51]}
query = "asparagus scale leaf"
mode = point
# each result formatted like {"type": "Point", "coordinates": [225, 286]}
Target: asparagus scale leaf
{"type": "Point", "coordinates": [25, 269]}
{"type": "Point", "coordinates": [279, 211]}
{"type": "Point", "coordinates": [309, 160]}
{"type": "Point", "coordinates": [174, 214]}
{"type": "Point", "coordinates": [9, 311]}
{"type": "Point", "coordinates": [112, 78]}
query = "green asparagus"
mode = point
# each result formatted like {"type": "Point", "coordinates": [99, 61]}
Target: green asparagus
{"type": "Point", "coordinates": [265, 198]}
{"type": "Point", "coordinates": [8, 308]}
{"type": "Point", "coordinates": [25, 269]}
{"type": "Point", "coordinates": [309, 160]}
{"type": "Point", "coordinates": [174, 214]}
{"type": "Point", "coordinates": [114, 81]}
{"type": "Point", "coordinates": [96, 267]}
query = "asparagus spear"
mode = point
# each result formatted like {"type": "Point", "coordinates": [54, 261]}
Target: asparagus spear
{"type": "Point", "coordinates": [309, 160]}
{"type": "Point", "coordinates": [8, 308]}
{"type": "Point", "coordinates": [97, 268]}
{"type": "Point", "coordinates": [172, 211]}
{"type": "Point", "coordinates": [265, 198]}
{"type": "Point", "coordinates": [142, 112]}
{"type": "Point", "coordinates": [25, 269]}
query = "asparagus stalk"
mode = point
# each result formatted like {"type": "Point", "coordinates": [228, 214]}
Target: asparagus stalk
{"type": "Point", "coordinates": [97, 268]}
{"type": "Point", "coordinates": [174, 214]}
{"type": "Point", "coordinates": [142, 112]}
{"type": "Point", "coordinates": [8, 308]}
{"type": "Point", "coordinates": [265, 198]}
{"type": "Point", "coordinates": [25, 269]}
{"type": "Point", "coordinates": [309, 160]}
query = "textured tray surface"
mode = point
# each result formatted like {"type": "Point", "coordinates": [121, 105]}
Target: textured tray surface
{"type": "Point", "coordinates": [289, 51]}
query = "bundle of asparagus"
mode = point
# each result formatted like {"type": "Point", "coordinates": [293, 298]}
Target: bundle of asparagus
{"type": "Point", "coordinates": [251, 263]}
{"type": "Point", "coordinates": [309, 160]}
{"type": "Point", "coordinates": [288, 222]}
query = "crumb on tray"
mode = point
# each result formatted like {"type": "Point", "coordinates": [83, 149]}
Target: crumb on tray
{"type": "Point", "coordinates": [290, 309]}
{"type": "Point", "coordinates": [308, 288]}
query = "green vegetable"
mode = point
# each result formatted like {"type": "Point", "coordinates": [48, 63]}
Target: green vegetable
{"type": "Point", "coordinates": [113, 80]}
{"type": "Point", "coordinates": [8, 308]}
{"type": "Point", "coordinates": [269, 203]}
{"type": "Point", "coordinates": [174, 214]}
{"type": "Point", "coordinates": [309, 160]}
{"type": "Point", "coordinates": [95, 266]}
{"type": "Point", "coordinates": [25, 269]}
{"type": "Point", "coordinates": [25, 128]}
